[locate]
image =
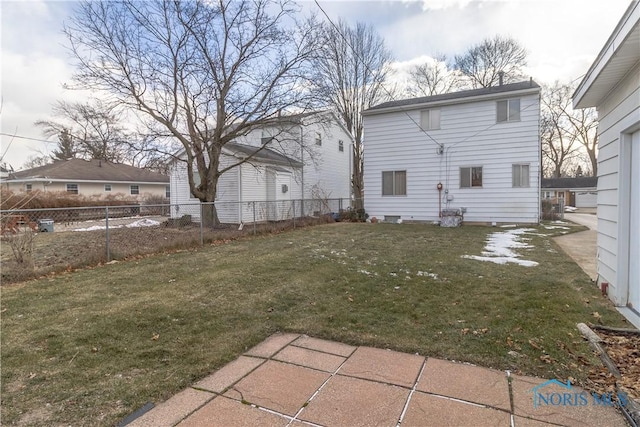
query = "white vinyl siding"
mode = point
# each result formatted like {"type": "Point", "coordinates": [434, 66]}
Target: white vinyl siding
{"type": "Point", "coordinates": [471, 138]}
{"type": "Point", "coordinates": [619, 115]}
{"type": "Point", "coordinates": [520, 176]}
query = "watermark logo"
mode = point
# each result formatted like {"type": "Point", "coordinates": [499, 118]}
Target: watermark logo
{"type": "Point", "coordinates": [557, 393]}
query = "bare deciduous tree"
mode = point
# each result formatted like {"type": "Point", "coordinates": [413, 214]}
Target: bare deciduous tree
{"type": "Point", "coordinates": [482, 63]}
{"type": "Point", "coordinates": [433, 78]}
{"type": "Point", "coordinates": [94, 130]}
{"type": "Point", "coordinates": [203, 73]}
{"type": "Point", "coordinates": [568, 136]}
{"type": "Point", "coordinates": [351, 68]}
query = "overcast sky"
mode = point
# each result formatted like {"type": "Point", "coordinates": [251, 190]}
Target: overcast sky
{"type": "Point", "coordinates": [562, 38]}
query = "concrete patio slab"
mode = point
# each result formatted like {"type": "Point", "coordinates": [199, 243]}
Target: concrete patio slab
{"type": "Point", "coordinates": [386, 366]}
{"type": "Point", "coordinates": [294, 380]}
{"type": "Point", "coordinates": [310, 358]}
{"type": "Point", "coordinates": [282, 387]}
{"type": "Point", "coordinates": [223, 412]}
{"type": "Point", "coordinates": [331, 347]}
{"type": "Point", "coordinates": [472, 383]}
{"type": "Point", "coordinates": [572, 410]}
{"type": "Point", "coordinates": [173, 410]}
{"type": "Point", "coordinates": [219, 381]}
{"type": "Point", "coordinates": [429, 410]}
{"type": "Point", "coordinates": [345, 401]}
{"type": "Point", "coordinates": [272, 345]}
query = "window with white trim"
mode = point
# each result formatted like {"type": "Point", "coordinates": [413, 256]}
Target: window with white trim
{"type": "Point", "coordinates": [72, 188]}
{"type": "Point", "coordinates": [471, 177]}
{"type": "Point", "coordinates": [318, 138]}
{"type": "Point", "coordinates": [340, 145]}
{"type": "Point", "coordinates": [508, 110]}
{"type": "Point", "coordinates": [394, 183]}
{"type": "Point", "coordinates": [520, 175]}
{"type": "Point", "coordinates": [167, 191]}
{"type": "Point", "coordinates": [107, 187]}
{"type": "Point", "coordinates": [134, 190]}
{"type": "Point", "coordinates": [430, 119]}
{"type": "Point", "coordinates": [28, 188]}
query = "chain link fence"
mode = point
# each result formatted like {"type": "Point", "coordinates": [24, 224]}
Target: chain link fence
{"type": "Point", "coordinates": [553, 208]}
{"type": "Point", "coordinates": [38, 241]}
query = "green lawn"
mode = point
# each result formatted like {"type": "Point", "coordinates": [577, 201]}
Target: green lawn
{"type": "Point", "coordinates": [89, 347]}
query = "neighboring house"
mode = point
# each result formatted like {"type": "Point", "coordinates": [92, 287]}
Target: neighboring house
{"type": "Point", "coordinates": [306, 156]}
{"type": "Point", "coordinates": [579, 192]}
{"type": "Point", "coordinates": [477, 151]}
{"type": "Point", "coordinates": [91, 178]}
{"type": "Point", "coordinates": [612, 86]}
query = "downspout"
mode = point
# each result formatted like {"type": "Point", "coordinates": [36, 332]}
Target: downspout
{"type": "Point", "coordinates": [240, 193]}
{"type": "Point", "coordinates": [302, 172]}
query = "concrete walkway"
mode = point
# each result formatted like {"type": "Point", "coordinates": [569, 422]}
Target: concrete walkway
{"type": "Point", "coordinates": [582, 246]}
{"type": "Point", "coordinates": [296, 380]}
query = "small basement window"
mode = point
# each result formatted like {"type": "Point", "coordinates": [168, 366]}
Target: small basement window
{"type": "Point", "coordinates": [72, 188]}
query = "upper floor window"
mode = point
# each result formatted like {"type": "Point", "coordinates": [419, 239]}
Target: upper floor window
{"type": "Point", "coordinates": [430, 119]}
{"type": "Point", "coordinates": [520, 175]}
{"type": "Point", "coordinates": [72, 188]}
{"type": "Point", "coordinates": [266, 138]}
{"type": "Point", "coordinates": [134, 189]}
{"type": "Point", "coordinates": [471, 177]}
{"type": "Point", "coordinates": [107, 187]}
{"type": "Point", "coordinates": [340, 145]}
{"type": "Point", "coordinates": [318, 138]}
{"type": "Point", "coordinates": [394, 183]}
{"type": "Point", "coordinates": [508, 110]}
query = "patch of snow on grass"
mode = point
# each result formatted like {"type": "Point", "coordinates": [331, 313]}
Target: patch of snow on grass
{"type": "Point", "coordinates": [427, 274]}
{"type": "Point", "coordinates": [555, 227]}
{"type": "Point", "coordinates": [143, 223]}
{"type": "Point", "coordinates": [500, 248]}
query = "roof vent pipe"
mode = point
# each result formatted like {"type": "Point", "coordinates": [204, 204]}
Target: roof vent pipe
{"type": "Point", "coordinates": [500, 77]}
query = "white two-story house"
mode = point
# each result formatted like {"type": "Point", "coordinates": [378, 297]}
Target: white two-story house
{"type": "Point", "coordinates": [305, 157]}
{"type": "Point", "coordinates": [474, 151]}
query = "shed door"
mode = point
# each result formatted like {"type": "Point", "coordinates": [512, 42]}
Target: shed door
{"type": "Point", "coordinates": [634, 224]}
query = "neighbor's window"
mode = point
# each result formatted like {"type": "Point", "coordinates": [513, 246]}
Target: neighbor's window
{"type": "Point", "coordinates": [318, 138]}
{"type": "Point", "coordinates": [72, 188]}
{"type": "Point", "coordinates": [520, 175]}
{"type": "Point", "coordinates": [266, 138]}
{"type": "Point", "coordinates": [28, 188]}
{"type": "Point", "coordinates": [107, 187]}
{"type": "Point", "coordinates": [430, 119]}
{"type": "Point", "coordinates": [340, 145]}
{"type": "Point", "coordinates": [134, 189]}
{"type": "Point", "coordinates": [508, 110]}
{"type": "Point", "coordinates": [167, 191]}
{"type": "Point", "coordinates": [394, 183]}
{"type": "Point", "coordinates": [471, 177]}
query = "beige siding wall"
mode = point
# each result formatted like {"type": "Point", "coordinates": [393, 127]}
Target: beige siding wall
{"type": "Point", "coordinates": [90, 189]}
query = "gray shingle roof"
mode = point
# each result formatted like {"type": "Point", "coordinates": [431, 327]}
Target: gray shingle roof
{"type": "Point", "coordinates": [265, 155]}
{"type": "Point", "coordinates": [511, 87]}
{"type": "Point", "coordinates": [90, 170]}
{"type": "Point", "coordinates": [579, 182]}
